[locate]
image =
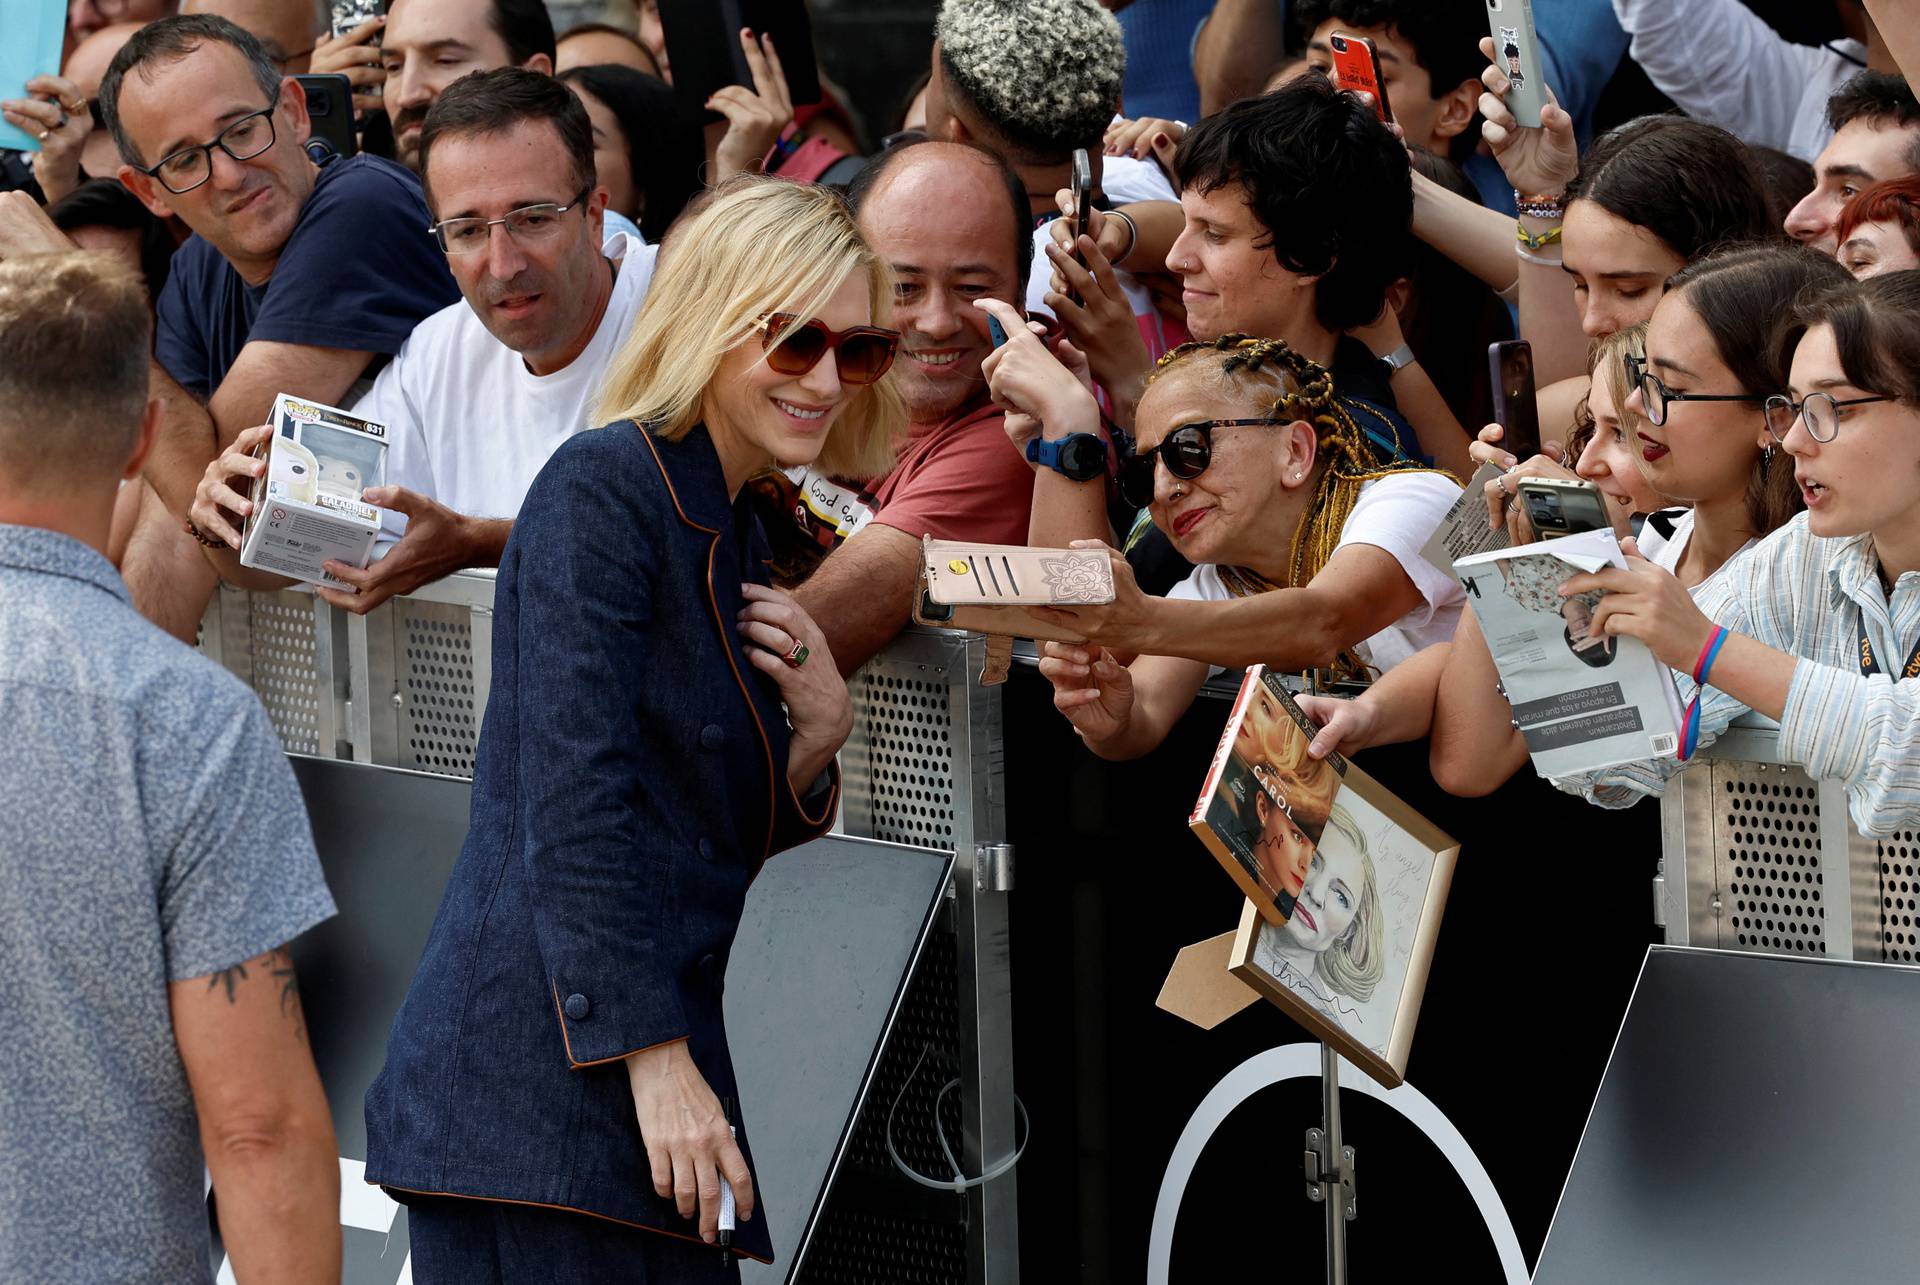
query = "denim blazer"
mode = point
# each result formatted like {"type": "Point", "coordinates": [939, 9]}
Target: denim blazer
{"type": "Point", "coordinates": [630, 781]}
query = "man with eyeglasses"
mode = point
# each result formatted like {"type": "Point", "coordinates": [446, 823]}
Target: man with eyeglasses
{"type": "Point", "coordinates": [486, 389]}
{"type": "Point", "coordinates": [300, 278]}
{"type": "Point", "coordinates": [287, 29]}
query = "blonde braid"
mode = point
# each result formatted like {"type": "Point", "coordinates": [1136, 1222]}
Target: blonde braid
{"type": "Point", "coordinates": [1340, 445]}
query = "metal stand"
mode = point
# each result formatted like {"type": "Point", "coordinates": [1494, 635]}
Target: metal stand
{"type": "Point", "coordinates": [1330, 1168]}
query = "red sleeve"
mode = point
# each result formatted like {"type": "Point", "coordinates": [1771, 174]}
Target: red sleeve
{"type": "Point", "coordinates": [971, 486]}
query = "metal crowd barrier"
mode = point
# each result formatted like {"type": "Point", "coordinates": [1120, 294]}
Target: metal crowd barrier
{"type": "Point", "coordinates": [1758, 856]}
{"type": "Point", "coordinates": [405, 687]}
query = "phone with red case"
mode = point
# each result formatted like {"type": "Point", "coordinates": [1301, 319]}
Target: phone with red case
{"type": "Point", "coordinates": [1356, 67]}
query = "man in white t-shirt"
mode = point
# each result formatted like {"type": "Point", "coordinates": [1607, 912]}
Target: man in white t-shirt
{"type": "Point", "coordinates": [485, 390]}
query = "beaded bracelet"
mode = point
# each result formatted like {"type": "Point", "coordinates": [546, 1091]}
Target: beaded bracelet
{"type": "Point", "coordinates": [1537, 206]}
{"type": "Point", "coordinates": [203, 538]}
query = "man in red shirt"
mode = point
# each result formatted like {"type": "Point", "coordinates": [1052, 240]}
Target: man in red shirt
{"type": "Point", "coordinates": [952, 221]}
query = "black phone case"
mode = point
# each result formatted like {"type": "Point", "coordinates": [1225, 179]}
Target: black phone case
{"type": "Point", "coordinates": [330, 111]}
{"type": "Point", "coordinates": [703, 45]}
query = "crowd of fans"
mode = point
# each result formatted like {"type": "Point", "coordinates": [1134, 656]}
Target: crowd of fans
{"type": "Point", "coordinates": [1256, 376]}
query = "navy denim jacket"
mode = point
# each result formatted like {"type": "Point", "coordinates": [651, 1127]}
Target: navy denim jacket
{"type": "Point", "coordinates": [631, 779]}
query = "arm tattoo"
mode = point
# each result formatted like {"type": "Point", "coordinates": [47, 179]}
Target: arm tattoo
{"type": "Point", "coordinates": [279, 966]}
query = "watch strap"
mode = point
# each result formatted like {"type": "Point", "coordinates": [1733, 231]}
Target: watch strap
{"type": "Point", "coordinates": [1400, 358]}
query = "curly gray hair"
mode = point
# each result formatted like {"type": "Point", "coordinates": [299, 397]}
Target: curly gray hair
{"type": "Point", "coordinates": [1044, 74]}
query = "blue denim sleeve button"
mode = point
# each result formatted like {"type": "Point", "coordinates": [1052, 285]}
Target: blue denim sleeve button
{"type": "Point", "coordinates": [706, 850]}
{"type": "Point", "coordinates": [712, 737]}
{"type": "Point", "coordinates": [578, 1008]}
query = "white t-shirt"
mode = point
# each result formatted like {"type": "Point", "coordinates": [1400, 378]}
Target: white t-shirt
{"type": "Point", "coordinates": [468, 424]}
{"type": "Point", "coordinates": [1397, 513]}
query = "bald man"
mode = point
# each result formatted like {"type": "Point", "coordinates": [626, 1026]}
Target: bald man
{"type": "Point", "coordinates": [288, 29]}
{"type": "Point", "coordinates": [952, 220]}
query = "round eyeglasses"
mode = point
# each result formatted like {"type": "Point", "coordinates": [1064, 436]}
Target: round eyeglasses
{"type": "Point", "coordinates": [1818, 411]}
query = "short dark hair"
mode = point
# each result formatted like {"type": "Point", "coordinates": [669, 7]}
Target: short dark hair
{"type": "Point", "coordinates": [492, 102]}
{"type": "Point", "coordinates": [608, 29]}
{"type": "Point", "coordinates": [665, 151]}
{"type": "Point", "coordinates": [525, 28]}
{"type": "Point", "coordinates": [1691, 184]}
{"type": "Point", "coordinates": [1745, 298]}
{"type": "Point", "coordinates": [876, 169]}
{"type": "Point", "coordinates": [1880, 98]}
{"type": "Point", "coordinates": [1786, 178]}
{"type": "Point", "coordinates": [170, 40]}
{"type": "Point", "coordinates": [1325, 178]}
{"type": "Point", "coordinates": [1876, 328]}
{"type": "Point", "coordinates": [104, 203]}
{"type": "Point", "coordinates": [60, 315]}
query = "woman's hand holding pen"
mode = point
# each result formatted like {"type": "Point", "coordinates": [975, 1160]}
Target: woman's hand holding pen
{"type": "Point", "coordinates": [690, 1145]}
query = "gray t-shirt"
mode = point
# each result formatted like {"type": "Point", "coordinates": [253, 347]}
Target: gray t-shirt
{"type": "Point", "coordinates": [150, 832]}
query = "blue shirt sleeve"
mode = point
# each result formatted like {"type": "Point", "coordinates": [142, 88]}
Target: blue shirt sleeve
{"type": "Point", "coordinates": [1581, 43]}
{"type": "Point", "coordinates": [360, 271]}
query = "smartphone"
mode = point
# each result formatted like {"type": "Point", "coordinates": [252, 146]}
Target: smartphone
{"type": "Point", "coordinates": [1516, 51]}
{"type": "Point", "coordinates": [1510, 368]}
{"type": "Point", "coordinates": [996, 331]}
{"type": "Point", "coordinates": [703, 44]}
{"type": "Point", "coordinates": [1563, 506]}
{"type": "Point", "coordinates": [1082, 184]}
{"type": "Point", "coordinates": [330, 113]}
{"type": "Point", "coordinates": [1356, 67]}
{"type": "Point", "coordinates": [345, 15]}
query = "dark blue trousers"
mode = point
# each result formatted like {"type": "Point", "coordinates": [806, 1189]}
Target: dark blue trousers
{"type": "Point", "coordinates": [489, 1242]}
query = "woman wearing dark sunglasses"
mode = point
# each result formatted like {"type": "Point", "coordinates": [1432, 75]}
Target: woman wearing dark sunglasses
{"type": "Point", "coordinates": [1307, 551]}
{"type": "Point", "coordinates": [557, 1101]}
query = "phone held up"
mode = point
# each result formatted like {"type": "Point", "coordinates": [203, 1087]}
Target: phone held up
{"type": "Point", "coordinates": [1562, 506]}
{"type": "Point", "coordinates": [1515, 409]}
{"type": "Point", "coordinates": [345, 15]}
{"type": "Point", "coordinates": [1082, 187]}
{"type": "Point", "coordinates": [1516, 51]}
{"type": "Point", "coordinates": [329, 113]}
{"type": "Point", "coordinates": [1356, 68]}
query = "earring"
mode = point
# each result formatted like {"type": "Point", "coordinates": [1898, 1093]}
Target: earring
{"type": "Point", "coordinates": [1298, 476]}
{"type": "Point", "coordinates": [1767, 459]}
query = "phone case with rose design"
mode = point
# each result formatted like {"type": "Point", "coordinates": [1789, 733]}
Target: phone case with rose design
{"type": "Point", "coordinates": [989, 588]}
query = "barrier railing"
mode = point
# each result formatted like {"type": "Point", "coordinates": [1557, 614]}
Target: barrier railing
{"type": "Point", "coordinates": [1758, 856]}
{"type": "Point", "coordinates": [406, 685]}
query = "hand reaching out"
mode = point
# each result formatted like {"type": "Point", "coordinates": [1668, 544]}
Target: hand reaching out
{"type": "Point", "coordinates": [355, 54]}
{"type": "Point", "coordinates": [755, 117]}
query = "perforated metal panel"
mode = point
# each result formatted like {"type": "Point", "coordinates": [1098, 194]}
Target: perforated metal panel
{"type": "Point", "coordinates": [1899, 861]}
{"type": "Point", "coordinates": [898, 764]}
{"type": "Point", "coordinates": [439, 706]}
{"type": "Point", "coordinates": [285, 652]}
{"type": "Point", "coordinates": [1773, 879]}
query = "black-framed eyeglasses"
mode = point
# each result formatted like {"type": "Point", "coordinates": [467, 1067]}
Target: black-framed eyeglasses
{"type": "Point", "coordinates": [189, 167]}
{"type": "Point", "coordinates": [1655, 397]}
{"type": "Point", "coordinates": [1634, 363]}
{"type": "Point", "coordinates": [1819, 411]}
{"type": "Point", "coordinates": [1186, 451]}
{"type": "Point", "coordinates": [528, 223]}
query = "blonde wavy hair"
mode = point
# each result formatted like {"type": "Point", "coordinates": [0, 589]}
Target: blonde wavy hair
{"type": "Point", "coordinates": [1355, 964]}
{"type": "Point", "coordinates": [1606, 360]}
{"type": "Point", "coordinates": [759, 245]}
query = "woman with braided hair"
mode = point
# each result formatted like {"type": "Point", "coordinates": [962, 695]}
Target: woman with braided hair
{"type": "Point", "coordinates": [1306, 549]}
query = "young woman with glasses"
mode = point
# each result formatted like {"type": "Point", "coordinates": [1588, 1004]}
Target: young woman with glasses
{"type": "Point", "coordinates": [1306, 550]}
{"type": "Point", "coordinates": [556, 1102]}
{"type": "Point", "coordinates": [1818, 627]}
{"type": "Point", "coordinates": [1716, 349]}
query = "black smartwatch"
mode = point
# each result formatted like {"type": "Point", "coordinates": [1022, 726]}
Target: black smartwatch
{"type": "Point", "coordinates": [1078, 457]}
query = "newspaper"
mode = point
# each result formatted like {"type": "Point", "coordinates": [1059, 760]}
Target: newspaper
{"type": "Point", "coordinates": [1464, 531]}
{"type": "Point", "coordinates": [1583, 700]}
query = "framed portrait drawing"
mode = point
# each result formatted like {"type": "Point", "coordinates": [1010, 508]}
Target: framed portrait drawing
{"type": "Point", "coordinates": [1363, 902]}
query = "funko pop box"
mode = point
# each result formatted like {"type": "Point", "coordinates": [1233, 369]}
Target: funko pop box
{"type": "Point", "coordinates": [307, 507]}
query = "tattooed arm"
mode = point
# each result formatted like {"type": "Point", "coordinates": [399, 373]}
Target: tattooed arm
{"type": "Point", "coordinates": [263, 1119]}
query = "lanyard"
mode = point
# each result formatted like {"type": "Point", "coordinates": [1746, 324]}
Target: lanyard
{"type": "Point", "coordinates": [1870, 664]}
